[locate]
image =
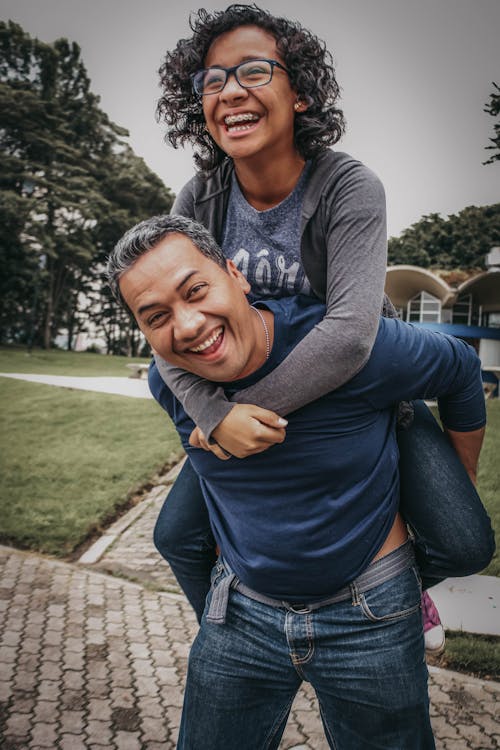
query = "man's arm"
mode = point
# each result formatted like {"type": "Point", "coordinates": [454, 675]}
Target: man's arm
{"type": "Point", "coordinates": [468, 447]}
{"type": "Point", "coordinates": [409, 362]}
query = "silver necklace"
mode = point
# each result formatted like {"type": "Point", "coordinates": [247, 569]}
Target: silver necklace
{"type": "Point", "coordinates": [266, 331]}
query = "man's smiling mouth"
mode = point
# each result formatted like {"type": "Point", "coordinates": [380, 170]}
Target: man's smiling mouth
{"type": "Point", "coordinates": [210, 344]}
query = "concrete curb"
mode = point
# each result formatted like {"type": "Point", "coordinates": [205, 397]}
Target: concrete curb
{"type": "Point", "coordinates": [97, 550]}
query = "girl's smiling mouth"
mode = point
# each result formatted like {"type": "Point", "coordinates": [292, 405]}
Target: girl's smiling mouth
{"type": "Point", "coordinates": [241, 122]}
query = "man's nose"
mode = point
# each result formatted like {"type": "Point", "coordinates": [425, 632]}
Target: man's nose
{"type": "Point", "coordinates": [188, 323]}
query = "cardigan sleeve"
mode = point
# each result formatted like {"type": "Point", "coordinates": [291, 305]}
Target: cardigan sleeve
{"type": "Point", "coordinates": [353, 215]}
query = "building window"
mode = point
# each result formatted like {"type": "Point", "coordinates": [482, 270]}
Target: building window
{"type": "Point", "coordinates": [491, 319]}
{"type": "Point", "coordinates": [424, 308]}
{"type": "Point", "coordinates": [465, 312]}
{"type": "Point", "coordinates": [462, 310]}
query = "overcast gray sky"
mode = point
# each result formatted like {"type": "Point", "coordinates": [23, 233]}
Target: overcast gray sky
{"type": "Point", "coordinates": [415, 75]}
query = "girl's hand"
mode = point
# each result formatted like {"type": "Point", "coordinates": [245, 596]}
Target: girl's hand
{"type": "Point", "coordinates": [246, 430]}
{"type": "Point", "coordinates": [198, 440]}
{"type": "Point", "coordinates": [249, 429]}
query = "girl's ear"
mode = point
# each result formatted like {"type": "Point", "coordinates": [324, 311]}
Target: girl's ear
{"type": "Point", "coordinates": [300, 106]}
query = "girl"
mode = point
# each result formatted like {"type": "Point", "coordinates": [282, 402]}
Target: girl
{"type": "Point", "coordinates": [257, 96]}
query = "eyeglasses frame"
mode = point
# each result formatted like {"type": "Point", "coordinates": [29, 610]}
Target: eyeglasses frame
{"type": "Point", "coordinates": [234, 69]}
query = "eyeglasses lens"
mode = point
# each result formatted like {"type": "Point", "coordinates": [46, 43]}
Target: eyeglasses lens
{"type": "Point", "coordinates": [248, 74]}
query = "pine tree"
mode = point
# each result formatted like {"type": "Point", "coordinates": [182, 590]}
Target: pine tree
{"type": "Point", "coordinates": [62, 162]}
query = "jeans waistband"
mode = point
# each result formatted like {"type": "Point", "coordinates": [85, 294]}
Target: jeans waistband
{"type": "Point", "coordinates": [376, 573]}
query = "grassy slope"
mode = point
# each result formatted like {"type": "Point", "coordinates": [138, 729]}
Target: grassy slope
{"type": "Point", "coordinates": [478, 655]}
{"type": "Point", "coordinates": [85, 431]}
{"type": "Point", "coordinates": [489, 477]}
{"type": "Point", "coordinates": [58, 362]}
{"type": "Point", "coordinates": [69, 459]}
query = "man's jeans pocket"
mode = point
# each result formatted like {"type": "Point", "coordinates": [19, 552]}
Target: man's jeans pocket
{"type": "Point", "coordinates": [395, 599]}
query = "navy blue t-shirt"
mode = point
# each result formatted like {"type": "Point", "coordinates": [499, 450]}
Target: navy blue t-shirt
{"type": "Point", "coordinates": [305, 517]}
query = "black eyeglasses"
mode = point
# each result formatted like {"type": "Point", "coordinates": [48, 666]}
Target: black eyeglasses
{"type": "Point", "coordinates": [249, 74]}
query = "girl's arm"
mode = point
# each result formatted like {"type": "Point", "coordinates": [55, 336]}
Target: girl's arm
{"type": "Point", "coordinates": [350, 223]}
{"type": "Point", "coordinates": [354, 218]}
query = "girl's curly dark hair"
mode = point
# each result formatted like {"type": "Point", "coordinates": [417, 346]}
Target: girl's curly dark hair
{"type": "Point", "coordinates": [310, 69]}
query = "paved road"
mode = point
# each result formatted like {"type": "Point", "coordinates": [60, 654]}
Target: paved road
{"type": "Point", "coordinates": [89, 660]}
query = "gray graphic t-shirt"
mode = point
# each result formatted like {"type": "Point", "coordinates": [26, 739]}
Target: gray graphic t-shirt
{"type": "Point", "coordinates": [265, 245]}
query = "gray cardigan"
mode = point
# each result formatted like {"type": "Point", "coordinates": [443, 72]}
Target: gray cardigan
{"type": "Point", "coordinates": [344, 254]}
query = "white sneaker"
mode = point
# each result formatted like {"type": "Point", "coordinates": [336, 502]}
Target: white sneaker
{"type": "Point", "coordinates": [435, 640]}
{"type": "Point", "coordinates": [433, 630]}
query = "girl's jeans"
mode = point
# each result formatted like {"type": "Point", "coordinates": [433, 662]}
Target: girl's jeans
{"type": "Point", "coordinates": [453, 534]}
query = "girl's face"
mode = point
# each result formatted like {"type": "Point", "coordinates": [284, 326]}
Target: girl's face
{"type": "Point", "coordinates": [260, 119]}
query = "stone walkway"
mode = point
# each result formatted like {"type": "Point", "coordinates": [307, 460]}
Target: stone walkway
{"type": "Point", "coordinates": [90, 660]}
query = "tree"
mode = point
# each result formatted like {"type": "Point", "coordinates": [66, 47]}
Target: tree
{"type": "Point", "coordinates": [135, 193]}
{"type": "Point", "coordinates": [493, 109]}
{"type": "Point", "coordinates": [61, 163]}
{"type": "Point", "coordinates": [460, 241]}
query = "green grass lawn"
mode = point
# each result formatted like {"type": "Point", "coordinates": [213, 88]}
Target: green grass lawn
{"type": "Point", "coordinates": [71, 459]}
{"type": "Point", "coordinates": [489, 477]}
{"type": "Point", "coordinates": [59, 362]}
{"type": "Point", "coordinates": [474, 654]}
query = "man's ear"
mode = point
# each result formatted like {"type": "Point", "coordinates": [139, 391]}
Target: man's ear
{"type": "Point", "coordinates": [237, 276]}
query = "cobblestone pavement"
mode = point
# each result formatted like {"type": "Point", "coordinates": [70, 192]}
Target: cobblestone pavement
{"type": "Point", "coordinates": [89, 660]}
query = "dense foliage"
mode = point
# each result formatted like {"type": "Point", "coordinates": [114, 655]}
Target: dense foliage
{"type": "Point", "coordinates": [460, 241]}
{"type": "Point", "coordinates": [69, 187]}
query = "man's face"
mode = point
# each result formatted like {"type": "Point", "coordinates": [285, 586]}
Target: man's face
{"type": "Point", "coordinates": [193, 312]}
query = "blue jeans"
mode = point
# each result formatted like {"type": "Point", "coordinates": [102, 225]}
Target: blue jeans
{"type": "Point", "coordinates": [452, 530]}
{"type": "Point", "coordinates": [363, 656]}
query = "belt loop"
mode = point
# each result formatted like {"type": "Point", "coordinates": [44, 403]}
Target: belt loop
{"type": "Point", "coordinates": [218, 604]}
{"type": "Point", "coordinates": [354, 594]}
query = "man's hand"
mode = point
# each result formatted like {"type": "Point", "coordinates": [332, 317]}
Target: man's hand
{"type": "Point", "coordinates": [246, 430]}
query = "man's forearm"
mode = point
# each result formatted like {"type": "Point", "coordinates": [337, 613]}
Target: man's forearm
{"type": "Point", "coordinates": [468, 447]}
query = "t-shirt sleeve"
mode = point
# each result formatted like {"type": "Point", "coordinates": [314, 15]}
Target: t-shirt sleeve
{"type": "Point", "coordinates": [354, 217]}
{"type": "Point", "coordinates": [410, 362]}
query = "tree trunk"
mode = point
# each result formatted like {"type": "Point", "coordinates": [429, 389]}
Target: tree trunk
{"type": "Point", "coordinates": [47, 328]}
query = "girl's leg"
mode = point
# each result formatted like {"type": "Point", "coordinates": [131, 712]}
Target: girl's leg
{"type": "Point", "coordinates": [182, 535]}
{"type": "Point", "coordinates": [453, 534]}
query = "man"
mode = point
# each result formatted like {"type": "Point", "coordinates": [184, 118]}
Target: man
{"type": "Point", "coordinates": [317, 578]}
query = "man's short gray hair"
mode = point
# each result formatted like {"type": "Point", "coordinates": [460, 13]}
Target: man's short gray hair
{"type": "Point", "coordinates": [147, 234]}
